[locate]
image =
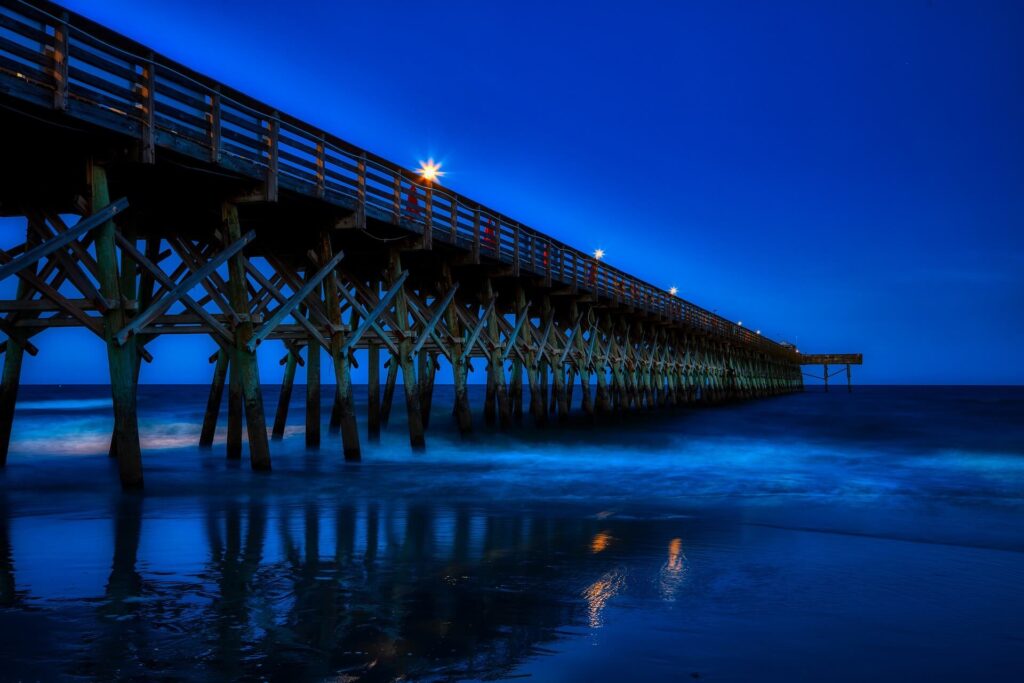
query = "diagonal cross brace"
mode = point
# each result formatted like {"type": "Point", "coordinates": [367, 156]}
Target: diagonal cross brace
{"type": "Point", "coordinates": [168, 282]}
{"type": "Point", "coordinates": [590, 348]}
{"type": "Point", "coordinates": [371, 318]}
{"type": "Point", "coordinates": [83, 226]}
{"type": "Point", "coordinates": [429, 331]}
{"type": "Point", "coordinates": [181, 289]}
{"type": "Point", "coordinates": [568, 341]}
{"type": "Point", "coordinates": [542, 345]}
{"type": "Point", "coordinates": [511, 342]}
{"type": "Point", "coordinates": [359, 309]}
{"type": "Point", "coordinates": [286, 308]}
{"type": "Point", "coordinates": [471, 340]}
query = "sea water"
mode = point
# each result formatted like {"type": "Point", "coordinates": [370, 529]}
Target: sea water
{"type": "Point", "coordinates": [877, 535]}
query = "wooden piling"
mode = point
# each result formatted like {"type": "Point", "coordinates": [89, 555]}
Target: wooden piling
{"type": "Point", "coordinates": [496, 366]}
{"type": "Point", "coordinates": [284, 399]}
{"type": "Point", "coordinates": [340, 356]}
{"type": "Point", "coordinates": [121, 358]}
{"type": "Point", "coordinates": [412, 391]}
{"type": "Point", "coordinates": [389, 391]}
{"type": "Point", "coordinates": [460, 366]}
{"type": "Point", "coordinates": [214, 400]}
{"type": "Point", "coordinates": [233, 443]}
{"type": "Point", "coordinates": [312, 394]}
{"type": "Point", "coordinates": [373, 392]}
{"type": "Point", "coordinates": [245, 360]}
{"type": "Point", "coordinates": [515, 390]}
{"type": "Point", "coordinates": [11, 380]}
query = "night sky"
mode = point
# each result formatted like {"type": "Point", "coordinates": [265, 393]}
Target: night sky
{"type": "Point", "coordinates": [845, 176]}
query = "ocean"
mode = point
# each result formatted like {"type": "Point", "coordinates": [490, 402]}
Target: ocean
{"type": "Point", "coordinates": [877, 535]}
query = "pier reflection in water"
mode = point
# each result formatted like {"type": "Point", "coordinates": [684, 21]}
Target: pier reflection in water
{"type": "Point", "coordinates": [303, 589]}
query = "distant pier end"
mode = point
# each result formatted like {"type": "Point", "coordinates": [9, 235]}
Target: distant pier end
{"type": "Point", "coordinates": [827, 359]}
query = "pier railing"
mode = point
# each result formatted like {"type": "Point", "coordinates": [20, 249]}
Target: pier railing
{"type": "Point", "coordinates": [66, 62]}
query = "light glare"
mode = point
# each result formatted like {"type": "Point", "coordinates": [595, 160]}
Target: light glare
{"type": "Point", "coordinates": [430, 171]}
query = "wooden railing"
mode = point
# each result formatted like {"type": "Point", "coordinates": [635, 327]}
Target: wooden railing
{"type": "Point", "coordinates": [62, 60]}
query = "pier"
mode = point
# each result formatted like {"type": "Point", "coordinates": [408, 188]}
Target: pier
{"type": "Point", "coordinates": [205, 212]}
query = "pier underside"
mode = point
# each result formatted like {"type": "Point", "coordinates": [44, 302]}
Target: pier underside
{"type": "Point", "coordinates": [245, 226]}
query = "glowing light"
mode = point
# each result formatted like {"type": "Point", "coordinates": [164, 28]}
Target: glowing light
{"type": "Point", "coordinates": [599, 254]}
{"type": "Point", "coordinates": [673, 572]}
{"type": "Point", "coordinates": [740, 323]}
{"type": "Point", "coordinates": [430, 171]}
{"type": "Point", "coordinates": [600, 542]}
{"type": "Point", "coordinates": [673, 290]}
{"type": "Point", "coordinates": [600, 592]}
{"type": "Point", "coordinates": [759, 331]}
{"type": "Point", "coordinates": [675, 555]}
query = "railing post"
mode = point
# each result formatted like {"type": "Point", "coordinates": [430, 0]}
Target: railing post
{"type": "Point", "coordinates": [476, 236]}
{"type": "Point", "coordinates": [396, 207]}
{"type": "Point", "coordinates": [274, 126]}
{"type": "Point", "coordinates": [215, 127]}
{"type": "Point", "coordinates": [321, 185]}
{"type": "Point", "coordinates": [361, 188]}
{"type": "Point", "coordinates": [60, 64]}
{"type": "Point", "coordinates": [149, 117]}
{"type": "Point", "coordinates": [515, 252]}
{"type": "Point", "coordinates": [546, 245]}
{"type": "Point", "coordinates": [428, 220]}
{"type": "Point", "coordinates": [455, 219]}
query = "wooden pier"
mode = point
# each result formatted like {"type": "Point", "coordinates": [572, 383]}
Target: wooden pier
{"type": "Point", "coordinates": [204, 211]}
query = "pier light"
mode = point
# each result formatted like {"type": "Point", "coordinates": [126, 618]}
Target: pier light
{"type": "Point", "coordinates": [740, 323]}
{"type": "Point", "coordinates": [599, 254]}
{"type": "Point", "coordinates": [430, 171]}
{"type": "Point", "coordinates": [759, 331]}
{"type": "Point", "coordinates": [673, 290]}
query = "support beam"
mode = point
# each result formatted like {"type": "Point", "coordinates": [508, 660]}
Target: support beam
{"type": "Point", "coordinates": [11, 379]}
{"type": "Point", "coordinates": [284, 399]}
{"type": "Point", "coordinates": [373, 392]}
{"type": "Point", "coordinates": [312, 394]}
{"type": "Point", "coordinates": [340, 354]}
{"type": "Point", "coordinates": [412, 391]}
{"type": "Point", "coordinates": [233, 444]}
{"type": "Point", "coordinates": [460, 366]}
{"type": "Point", "coordinates": [213, 402]}
{"type": "Point", "coordinates": [245, 358]}
{"type": "Point", "coordinates": [121, 359]}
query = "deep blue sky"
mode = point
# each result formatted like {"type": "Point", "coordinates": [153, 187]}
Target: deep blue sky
{"type": "Point", "coordinates": [846, 176]}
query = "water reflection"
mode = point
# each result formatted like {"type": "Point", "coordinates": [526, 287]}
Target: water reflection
{"type": "Point", "coordinates": [600, 592]}
{"type": "Point", "coordinates": [311, 589]}
{"type": "Point", "coordinates": [672, 573]}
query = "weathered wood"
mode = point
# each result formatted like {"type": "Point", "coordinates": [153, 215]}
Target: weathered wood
{"type": "Point", "coordinates": [100, 218]}
{"type": "Point", "coordinates": [312, 394]}
{"type": "Point", "coordinates": [496, 399]}
{"type": "Point", "coordinates": [182, 288]}
{"type": "Point", "coordinates": [213, 401]}
{"type": "Point", "coordinates": [233, 443]}
{"type": "Point", "coordinates": [373, 392]}
{"type": "Point", "coordinates": [460, 366]}
{"type": "Point", "coordinates": [245, 359]}
{"type": "Point", "coordinates": [121, 359]}
{"type": "Point", "coordinates": [340, 355]}
{"type": "Point", "coordinates": [11, 380]}
{"type": "Point", "coordinates": [389, 391]}
{"type": "Point", "coordinates": [284, 399]}
{"type": "Point", "coordinates": [412, 398]}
